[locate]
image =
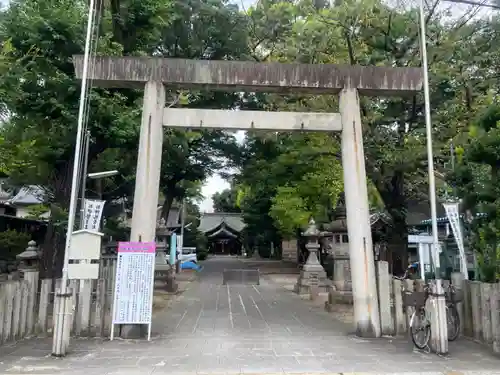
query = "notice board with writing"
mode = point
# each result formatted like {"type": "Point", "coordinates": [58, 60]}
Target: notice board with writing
{"type": "Point", "coordinates": [134, 283]}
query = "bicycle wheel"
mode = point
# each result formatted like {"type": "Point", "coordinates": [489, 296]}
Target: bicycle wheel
{"type": "Point", "coordinates": [453, 322]}
{"type": "Point", "coordinates": [420, 331]}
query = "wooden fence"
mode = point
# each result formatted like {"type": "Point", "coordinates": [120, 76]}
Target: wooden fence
{"type": "Point", "coordinates": [17, 307]}
{"type": "Point", "coordinates": [479, 312]}
{"type": "Point", "coordinates": [27, 304]}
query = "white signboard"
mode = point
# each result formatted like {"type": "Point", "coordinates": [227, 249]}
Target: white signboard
{"type": "Point", "coordinates": [134, 282]}
{"type": "Point", "coordinates": [453, 214]}
{"type": "Point", "coordinates": [422, 238]}
{"type": "Point", "coordinates": [93, 213]}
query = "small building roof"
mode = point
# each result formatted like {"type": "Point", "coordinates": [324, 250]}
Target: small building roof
{"type": "Point", "coordinates": [340, 225]}
{"type": "Point", "coordinates": [214, 220]}
{"type": "Point", "coordinates": [28, 195]}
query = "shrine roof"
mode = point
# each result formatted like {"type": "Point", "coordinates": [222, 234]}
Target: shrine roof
{"type": "Point", "coordinates": [212, 221]}
{"type": "Point", "coordinates": [222, 231]}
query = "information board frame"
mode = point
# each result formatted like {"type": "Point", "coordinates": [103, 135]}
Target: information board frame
{"type": "Point", "coordinates": [127, 251]}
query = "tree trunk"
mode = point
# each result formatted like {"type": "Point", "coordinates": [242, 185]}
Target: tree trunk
{"type": "Point", "coordinates": [54, 242]}
{"type": "Point", "coordinates": [48, 251]}
{"type": "Point", "coordinates": [167, 205]}
{"type": "Point", "coordinates": [398, 245]}
{"type": "Point", "coordinates": [395, 202]}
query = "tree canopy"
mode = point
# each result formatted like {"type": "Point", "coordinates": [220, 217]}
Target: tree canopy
{"type": "Point", "coordinates": [281, 179]}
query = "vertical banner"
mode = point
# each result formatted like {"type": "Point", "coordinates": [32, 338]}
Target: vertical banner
{"type": "Point", "coordinates": [93, 213]}
{"type": "Point", "coordinates": [134, 282]}
{"type": "Point", "coordinates": [173, 248]}
{"type": "Point", "coordinates": [453, 214]}
{"type": "Point", "coordinates": [180, 240]}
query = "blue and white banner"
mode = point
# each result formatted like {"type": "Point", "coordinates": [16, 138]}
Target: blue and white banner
{"type": "Point", "coordinates": [453, 214]}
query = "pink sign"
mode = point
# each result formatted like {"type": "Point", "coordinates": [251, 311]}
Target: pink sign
{"type": "Point", "coordinates": [136, 247]}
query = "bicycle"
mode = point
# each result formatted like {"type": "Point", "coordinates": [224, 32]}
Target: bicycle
{"type": "Point", "coordinates": [453, 296]}
{"type": "Point", "coordinates": [419, 321]}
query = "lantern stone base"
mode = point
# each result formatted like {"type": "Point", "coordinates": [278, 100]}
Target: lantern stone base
{"type": "Point", "coordinates": [310, 278]}
{"type": "Point", "coordinates": [341, 291]}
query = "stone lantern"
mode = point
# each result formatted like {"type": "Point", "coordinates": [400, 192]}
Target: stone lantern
{"type": "Point", "coordinates": [312, 245]}
{"type": "Point", "coordinates": [312, 275]}
{"type": "Point", "coordinates": [28, 259]}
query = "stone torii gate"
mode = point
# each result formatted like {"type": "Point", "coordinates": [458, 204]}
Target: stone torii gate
{"type": "Point", "coordinates": [153, 74]}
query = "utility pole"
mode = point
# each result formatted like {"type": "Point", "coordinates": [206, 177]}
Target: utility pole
{"type": "Point", "coordinates": [62, 301]}
{"type": "Point", "coordinates": [439, 337]}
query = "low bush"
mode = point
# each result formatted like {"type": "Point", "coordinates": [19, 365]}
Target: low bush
{"type": "Point", "coordinates": [12, 243]}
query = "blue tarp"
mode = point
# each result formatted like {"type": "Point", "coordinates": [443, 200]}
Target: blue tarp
{"type": "Point", "coordinates": [190, 266]}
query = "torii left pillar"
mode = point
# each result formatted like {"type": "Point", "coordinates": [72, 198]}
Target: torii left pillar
{"type": "Point", "coordinates": [147, 180]}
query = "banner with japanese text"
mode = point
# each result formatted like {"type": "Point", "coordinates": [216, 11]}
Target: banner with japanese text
{"type": "Point", "coordinates": [92, 214]}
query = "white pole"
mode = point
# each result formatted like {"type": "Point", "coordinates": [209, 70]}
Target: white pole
{"type": "Point", "coordinates": [59, 346]}
{"type": "Point", "coordinates": [440, 341]}
{"type": "Point", "coordinates": [181, 237]}
{"type": "Point", "coordinates": [84, 179]}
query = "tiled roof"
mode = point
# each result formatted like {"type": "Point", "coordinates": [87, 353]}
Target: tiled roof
{"type": "Point", "coordinates": [28, 195]}
{"type": "Point", "coordinates": [211, 221]}
{"type": "Point", "coordinates": [224, 232]}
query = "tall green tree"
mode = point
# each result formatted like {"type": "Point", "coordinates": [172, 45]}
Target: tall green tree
{"type": "Point", "coordinates": [476, 180]}
{"type": "Point", "coordinates": [227, 200]}
{"type": "Point", "coordinates": [372, 32]}
{"type": "Point", "coordinates": [43, 108]}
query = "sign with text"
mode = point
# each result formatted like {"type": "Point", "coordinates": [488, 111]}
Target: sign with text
{"type": "Point", "coordinates": [134, 282]}
{"type": "Point", "coordinates": [453, 214]}
{"type": "Point", "coordinates": [92, 214]}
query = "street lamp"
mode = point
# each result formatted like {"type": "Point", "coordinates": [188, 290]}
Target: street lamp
{"type": "Point", "coordinates": [96, 175]}
{"type": "Point", "coordinates": [92, 176]}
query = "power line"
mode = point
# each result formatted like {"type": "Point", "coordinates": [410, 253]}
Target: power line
{"type": "Point", "coordinates": [475, 3]}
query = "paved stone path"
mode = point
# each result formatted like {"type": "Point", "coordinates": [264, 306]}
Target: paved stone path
{"type": "Point", "coordinates": [217, 329]}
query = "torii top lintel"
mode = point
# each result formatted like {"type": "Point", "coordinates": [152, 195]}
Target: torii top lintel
{"type": "Point", "coordinates": [133, 72]}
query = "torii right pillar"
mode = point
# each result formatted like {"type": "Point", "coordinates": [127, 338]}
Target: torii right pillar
{"type": "Point", "coordinates": [364, 286]}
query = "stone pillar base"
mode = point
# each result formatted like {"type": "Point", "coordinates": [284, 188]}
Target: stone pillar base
{"type": "Point", "coordinates": [338, 297]}
{"type": "Point", "coordinates": [171, 284]}
{"type": "Point", "coordinates": [312, 277]}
